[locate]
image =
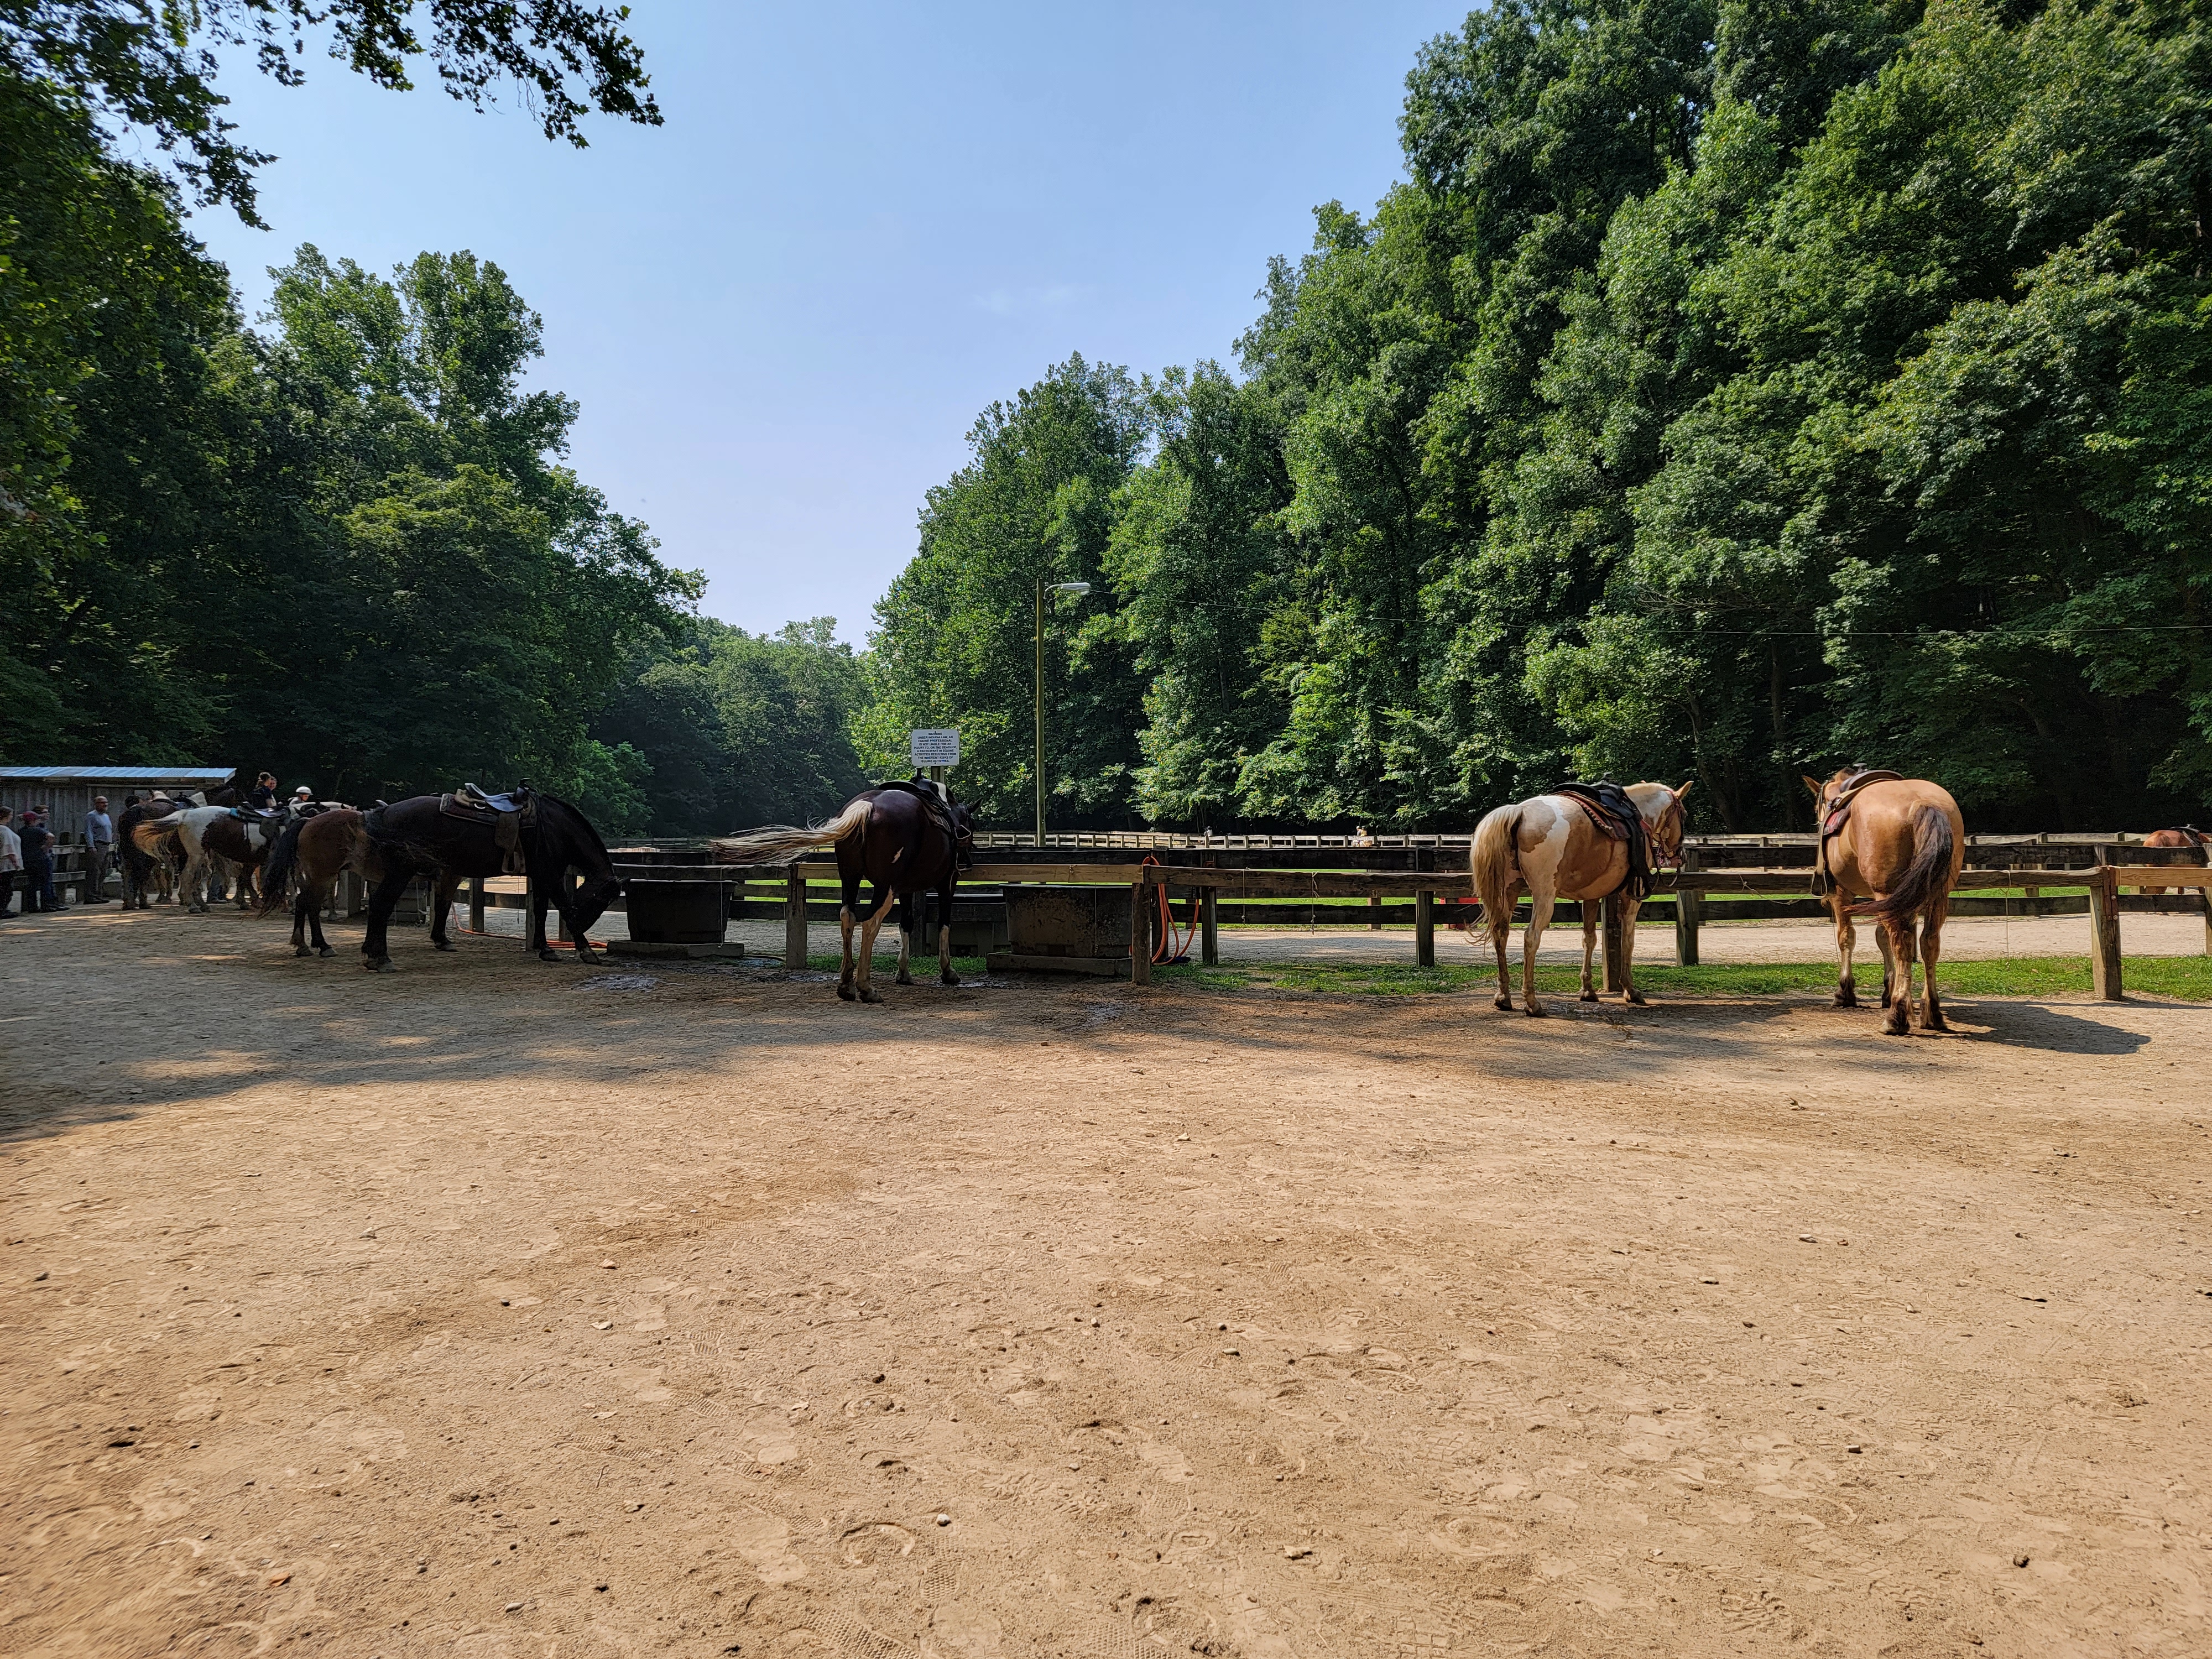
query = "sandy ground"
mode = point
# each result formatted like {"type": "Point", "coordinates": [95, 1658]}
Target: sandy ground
{"type": "Point", "coordinates": [500, 1308]}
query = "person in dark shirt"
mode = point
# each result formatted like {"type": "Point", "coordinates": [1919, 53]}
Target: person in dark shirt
{"type": "Point", "coordinates": [38, 863]}
{"type": "Point", "coordinates": [263, 793]}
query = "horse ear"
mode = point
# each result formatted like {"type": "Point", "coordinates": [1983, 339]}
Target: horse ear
{"type": "Point", "coordinates": [1684, 790]}
{"type": "Point", "coordinates": [1811, 783]}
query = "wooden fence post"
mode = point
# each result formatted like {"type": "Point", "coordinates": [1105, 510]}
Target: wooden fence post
{"type": "Point", "coordinates": [2105, 936]}
{"type": "Point", "coordinates": [1209, 926]}
{"type": "Point", "coordinates": [1425, 928]}
{"type": "Point", "coordinates": [1140, 935]}
{"type": "Point", "coordinates": [1375, 912]}
{"type": "Point", "coordinates": [1688, 906]}
{"type": "Point", "coordinates": [794, 922]}
{"type": "Point", "coordinates": [1612, 946]}
{"type": "Point", "coordinates": [475, 904]}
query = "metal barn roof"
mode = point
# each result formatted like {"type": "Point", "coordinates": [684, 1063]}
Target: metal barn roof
{"type": "Point", "coordinates": [114, 774]}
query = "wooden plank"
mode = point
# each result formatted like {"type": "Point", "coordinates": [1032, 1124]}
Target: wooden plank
{"type": "Point", "coordinates": [1002, 875]}
{"type": "Point", "coordinates": [2158, 875]}
{"type": "Point", "coordinates": [1318, 883]}
{"type": "Point", "coordinates": [2105, 982]}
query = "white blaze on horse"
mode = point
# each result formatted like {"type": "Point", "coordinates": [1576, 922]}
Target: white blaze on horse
{"type": "Point", "coordinates": [1553, 846]}
{"type": "Point", "coordinates": [1894, 845]}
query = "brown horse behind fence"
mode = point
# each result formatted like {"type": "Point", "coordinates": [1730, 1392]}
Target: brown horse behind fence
{"type": "Point", "coordinates": [1890, 849]}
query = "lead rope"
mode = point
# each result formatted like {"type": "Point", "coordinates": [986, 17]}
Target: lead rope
{"type": "Point", "coordinates": [1168, 938]}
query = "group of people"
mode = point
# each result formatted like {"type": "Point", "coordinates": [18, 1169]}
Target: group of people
{"type": "Point", "coordinates": [26, 853]}
{"type": "Point", "coordinates": [27, 849]}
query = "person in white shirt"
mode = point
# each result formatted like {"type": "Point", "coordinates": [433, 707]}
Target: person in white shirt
{"type": "Point", "coordinates": [99, 850]}
{"type": "Point", "coordinates": [11, 858]}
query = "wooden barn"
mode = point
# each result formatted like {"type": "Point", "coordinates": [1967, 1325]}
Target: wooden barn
{"type": "Point", "coordinates": [66, 791]}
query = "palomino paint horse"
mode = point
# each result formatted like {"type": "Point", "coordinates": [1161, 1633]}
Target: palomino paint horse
{"type": "Point", "coordinates": [210, 841]}
{"type": "Point", "coordinates": [1895, 844]}
{"type": "Point", "coordinates": [893, 837]}
{"type": "Point", "coordinates": [1548, 845]}
{"type": "Point", "coordinates": [390, 845]}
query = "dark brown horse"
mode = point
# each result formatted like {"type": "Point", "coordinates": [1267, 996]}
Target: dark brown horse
{"type": "Point", "coordinates": [897, 838]}
{"type": "Point", "coordinates": [1894, 845]}
{"type": "Point", "coordinates": [146, 872]}
{"type": "Point", "coordinates": [389, 846]}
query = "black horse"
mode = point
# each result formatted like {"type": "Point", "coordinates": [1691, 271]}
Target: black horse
{"type": "Point", "coordinates": [141, 874]}
{"type": "Point", "coordinates": [390, 845]}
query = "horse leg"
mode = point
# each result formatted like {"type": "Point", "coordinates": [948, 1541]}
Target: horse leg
{"type": "Point", "coordinates": [907, 908]}
{"type": "Point", "coordinates": [1591, 909]}
{"type": "Point", "coordinates": [1931, 947]}
{"type": "Point", "coordinates": [382, 903]}
{"type": "Point", "coordinates": [315, 898]}
{"type": "Point", "coordinates": [875, 921]}
{"type": "Point", "coordinates": [1888, 964]}
{"type": "Point", "coordinates": [441, 906]}
{"type": "Point", "coordinates": [1501, 936]}
{"type": "Point", "coordinates": [300, 901]}
{"type": "Point", "coordinates": [847, 904]}
{"type": "Point", "coordinates": [1629, 907]}
{"type": "Point", "coordinates": [944, 974]}
{"type": "Point", "coordinates": [1847, 940]}
{"type": "Point", "coordinates": [1540, 918]}
{"type": "Point", "coordinates": [1899, 937]}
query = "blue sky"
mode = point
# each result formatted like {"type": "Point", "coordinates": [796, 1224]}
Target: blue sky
{"type": "Point", "coordinates": [782, 311]}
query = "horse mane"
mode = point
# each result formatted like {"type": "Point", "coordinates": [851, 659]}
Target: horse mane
{"type": "Point", "coordinates": [572, 814]}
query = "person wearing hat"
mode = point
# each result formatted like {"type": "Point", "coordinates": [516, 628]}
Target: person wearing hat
{"type": "Point", "coordinates": [38, 863]}
{"type": "Point", "coordinates": [99, 850]}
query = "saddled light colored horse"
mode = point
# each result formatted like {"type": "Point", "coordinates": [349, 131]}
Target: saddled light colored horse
{"type": "Point", "coordinates": [214, 843]}
{"type": "Point", "coordinates": [1890, 849]}
{"type": "Point", "coordinates": [1548, 846]}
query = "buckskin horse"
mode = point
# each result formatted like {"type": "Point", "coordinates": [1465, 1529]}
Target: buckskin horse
{"type": "Point", "coordinates": [895, 836]}
{"type": "Point", "coordinates": [1575, 843]}
{"type": "Point", "coordinates": [1895, 845]}
{"type": "Point", "coordinates": [428, 835]}
{"type": "Point", "coordinates": [2182, 834]}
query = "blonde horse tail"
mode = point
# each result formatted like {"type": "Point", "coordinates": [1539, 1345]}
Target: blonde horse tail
{"type": "Point", "coordinates": [1927, 878]}
{"type": "Point", "coordinates": [147, 837]}
{"type": "Point", "coordinates": [1491, 861]}
{"type": "Point", "coordinates": [779, 841]}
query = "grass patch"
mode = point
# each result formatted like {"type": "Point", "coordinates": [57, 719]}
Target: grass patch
{"type": "Point", "coordinates": [2186, 977]}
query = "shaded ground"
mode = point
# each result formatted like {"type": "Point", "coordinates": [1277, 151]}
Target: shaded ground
{"type": "Point", "coordinates": [494, 1307]}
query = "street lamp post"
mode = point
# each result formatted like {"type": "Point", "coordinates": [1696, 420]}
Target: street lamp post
{"type": "Point", "coordinates": [1078, 588]}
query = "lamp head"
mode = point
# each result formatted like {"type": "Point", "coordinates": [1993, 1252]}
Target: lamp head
{"type": "Point", "coordinates": [1071, 588]}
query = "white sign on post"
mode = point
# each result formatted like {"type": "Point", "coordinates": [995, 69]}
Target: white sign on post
{"type": "Point", "coordinates": [937, 747]}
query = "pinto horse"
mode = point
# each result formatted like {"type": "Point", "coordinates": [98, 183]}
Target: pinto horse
{"type": "Point", "coordinates": [389, 846]}
{"type": "Point", "coordinates": [1548, 845]}
{"type": "Point", "coordinates": [210, 840]}
{"type": "Point", "coordinates": [1894, 845]}
{"type": "Point", "coordinates": [894, 837]}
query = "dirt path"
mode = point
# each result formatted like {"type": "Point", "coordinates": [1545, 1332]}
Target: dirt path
{"type": "Point", "coordinates": [497, 1309]}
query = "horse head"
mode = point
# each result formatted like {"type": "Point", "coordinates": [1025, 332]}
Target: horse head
{"type": "Point", "coordinates": [592, 898]}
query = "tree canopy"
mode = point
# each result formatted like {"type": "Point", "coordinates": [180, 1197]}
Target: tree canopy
{"type": "Point", "coordinates": [1733, 388]}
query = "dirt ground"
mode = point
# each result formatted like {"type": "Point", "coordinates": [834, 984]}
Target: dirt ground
{"type": "Point", "coordinates": [497, 1309]}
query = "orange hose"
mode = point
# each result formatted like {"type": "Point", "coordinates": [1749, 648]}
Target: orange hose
{"type": "Point", "coordinates": [1168, 938]}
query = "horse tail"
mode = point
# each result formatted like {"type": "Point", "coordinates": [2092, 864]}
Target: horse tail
{"type": "Point", "coordinates": [276, 870]}
{"type": "Point", "coordinates": [779, 841]}
{"type": "Point", "coordinates": [147, 837]}
{"type": "Point", "coordinates": [1925, 880]}
{"type": "Point", "coordinates": [1491, 862]}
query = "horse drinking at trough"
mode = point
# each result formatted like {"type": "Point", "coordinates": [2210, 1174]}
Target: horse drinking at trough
{"type": "Point", "coordinates": [1895, 844]}
{"type": "Point", "coordinates": [904, 838]}
{"type": "Point", "coordinates": [442, 837]}
{"type": "Point", "coordinates": [1584, 842]}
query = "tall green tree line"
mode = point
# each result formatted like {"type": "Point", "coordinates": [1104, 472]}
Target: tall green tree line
{"type": "Point", "coordinates": [1734, 388]}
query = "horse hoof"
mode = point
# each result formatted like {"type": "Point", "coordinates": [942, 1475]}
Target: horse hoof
{"type": "Point", "coordinates": [903, 979]}
{"type": "Point", "coordinates": [847, 994]}
{"type": "Point", "coordinates": [1898, 1026]}
{"type": "Point", "coordinates": [1503, 1005]}
{"type": "Point", "coordinates": [322, 950]}
{"type": "Point", "coordinates": [1936, 1022]}
{"type": "Point", "coordinates": [443, 944]}
{"type": "Point", "coordinates": [301, 950]}
{"type": "Point", "coordinates": [379, 965]}
{"type": "Point", "coordinates": [948, 977]}
{"type": "Point", "coordinates": [870, 995]}
{"type": "Point", "coordinates": [1534, 1011]}
{"type": "Point", "coordinates": [1588, 996]}
{"type": "Point", "coordinates": [1635, 997]}
{"type": "Point", "coordinates": [1847, 999]}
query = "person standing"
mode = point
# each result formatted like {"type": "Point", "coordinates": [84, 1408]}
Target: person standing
{"type": "Point", "coordinates": [38, 863]}
{"type": "Point", "coordinates": [263, 795]}
{"type": "Point", "coordinates": [99, 850]}
{"type": "Point", "coordinates": [11, 857]}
